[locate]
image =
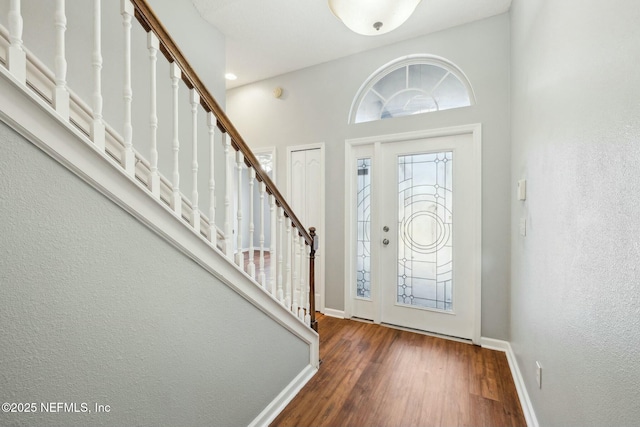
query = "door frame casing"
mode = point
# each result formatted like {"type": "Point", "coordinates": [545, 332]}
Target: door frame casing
{"type": "Point", "coordinates": [320, 228]}
{"type": "Point", "coordinates": [350, 211]}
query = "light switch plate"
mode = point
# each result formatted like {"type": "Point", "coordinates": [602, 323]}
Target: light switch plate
{"type": "Point", "coordinates": [522, 189]}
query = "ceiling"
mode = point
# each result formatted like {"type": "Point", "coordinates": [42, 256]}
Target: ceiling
{"type": "Point", "coordinates": [266, 38]}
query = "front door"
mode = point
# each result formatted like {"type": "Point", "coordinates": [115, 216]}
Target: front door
{"type": "Point", "coordinates": [427, 253]}
{"type": "Point", "coordinates": [424, 235]}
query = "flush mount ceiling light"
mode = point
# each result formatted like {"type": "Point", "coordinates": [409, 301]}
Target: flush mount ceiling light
{"type": "Point", "coordinates": [373, 17]}
{"type": "Point", "coordinates": [230, 76]}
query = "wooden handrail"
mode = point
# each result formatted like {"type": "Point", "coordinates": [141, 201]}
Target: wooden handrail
{"type": "Point", "coordinates": [150, 22]}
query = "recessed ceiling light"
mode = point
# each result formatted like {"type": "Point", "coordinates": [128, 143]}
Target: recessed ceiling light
{"type": "Point", "coordinates": [230, 76]}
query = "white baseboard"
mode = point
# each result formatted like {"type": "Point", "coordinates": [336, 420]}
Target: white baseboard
{"type": "Point", "coordinates": [282, 400]}
{"type": "Point", "coordinates": [493, 344]}
{"type": "Point", "coordinates": [333, 313]}
{"type": "Point", "coordinates": [523, 395]}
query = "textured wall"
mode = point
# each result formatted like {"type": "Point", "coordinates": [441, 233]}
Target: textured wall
{"type": "Point", "coordinates": [96, 308]}
{"type": "Point", "coordinates": [315, 107]}
{"type": "Point", "coordinates": [576, 139]}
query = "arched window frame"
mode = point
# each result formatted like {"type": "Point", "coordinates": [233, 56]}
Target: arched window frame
{"type": "Point", "coordinates": [406, 61]}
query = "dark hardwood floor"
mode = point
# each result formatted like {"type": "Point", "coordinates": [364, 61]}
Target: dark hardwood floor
{"type": "Point", "coordinates": [372, 375]}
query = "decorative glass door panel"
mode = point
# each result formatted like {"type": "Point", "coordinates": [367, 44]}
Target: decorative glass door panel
{"type": "Point", "coordinates": [364, 292]}
{"type": "Point", "coordinates": [425, 230]}
{"type": "Point", "coordinates": [363, 221]}
{"type": "Point", "coordinates": [427, 234]}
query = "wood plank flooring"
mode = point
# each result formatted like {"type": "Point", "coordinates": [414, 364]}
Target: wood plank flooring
{"type": "Point", "coordinates": [372, 376]}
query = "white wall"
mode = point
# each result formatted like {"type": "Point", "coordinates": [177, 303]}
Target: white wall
{"type": "Point", "coordinates": [315, 108]}
{"type": "Point", "coordinates": [97, 308]}
{"type": "Point", "coordinates": [575, 294]}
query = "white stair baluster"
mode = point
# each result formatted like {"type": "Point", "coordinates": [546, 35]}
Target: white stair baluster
{"type": "Point", "coordinates": [153, 45]}
{"type": "Point", "coordinates": [176, 200]}
{"type": "Point", "coordinates": [295, 284]}
{"type": "Point", "coordinates": [128, 156]}
{"type": "Point", "coordinates": [288, 254]}
{"type": "Point", "coordinates": [272, 249]}
{"type": "Point", "coordinates": [239, 253]}
{"type": "Point", "coordinates": [251, 268]}
{"type": "Point", "coordinates": [97, 125]}
{"type": "Point", "coordinates": [213, 232]}
{"type": "Point", "coordinates": [16, 57]}
{"type": "Point", "coordinates": [228, 231]}
{"type": "Point", "coordinates": [194, 98]}
{"type": "Point", "coordinates": [60, 92]}
{"type": "Point", "coordinates": [279, 291]}
{"type": "Point", "coordinates": [261, 277]}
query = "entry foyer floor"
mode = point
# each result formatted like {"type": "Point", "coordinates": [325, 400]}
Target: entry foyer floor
{"type": "Point", "coordinates": [373, 375]}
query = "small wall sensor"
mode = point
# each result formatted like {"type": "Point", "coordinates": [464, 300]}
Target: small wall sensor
{"type": "Point", "coordinates": [277, 92]}
{"type": "Point", "coordinates": [522, 189]}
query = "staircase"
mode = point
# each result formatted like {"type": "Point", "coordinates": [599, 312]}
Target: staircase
{"type": "Point", "coordinates": [139, 160]}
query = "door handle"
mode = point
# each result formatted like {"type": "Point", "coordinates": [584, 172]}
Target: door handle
{"type": "Point", "coordinates": [385, 242]}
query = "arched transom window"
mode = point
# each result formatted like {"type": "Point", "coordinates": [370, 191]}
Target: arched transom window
{"type": "Point", "coordinates": [411, 85]}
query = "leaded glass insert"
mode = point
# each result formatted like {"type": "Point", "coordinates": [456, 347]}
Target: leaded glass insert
{"type": "Point", "coordinates": [412, 85]}
{"type": "Point", "coordinates": [425, 230]}
{"type": "Point", "coordinates": [363, 219]}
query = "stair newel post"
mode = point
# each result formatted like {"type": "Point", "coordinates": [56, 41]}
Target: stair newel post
{"type": "Point", "coordinates": [128, 156]}
{"type": "Point", "coordinates": [16, 56]}
{"type": "Point", "coordinates": [213, 232]}
{"type": "Point", "coordinates": [272, 249]}
{"type": "Point", "coordinates": [153, 45]}
{"type": "Point", "coordinates": [261, 276]}
{"type": "Point", "coordinates": [303, 283]}
{"type": "Point", "coordinates": [312, 280]}
{"type": "Point", "coordinates": [228, 230]}
{"type": "Point", "coordinates": [295, 285]}
{"type": "Point", "coordinates": [280, 292]}
{"type": "Point", "coordinates": [307, 315]}
{"type": "Point", "coordinates": [60, 92]}
{"type": "Point", "coordinates": [176, 200]}
{"type": "Point", "coordinates": [194, 99]}
{"type": "Point", "coordinates": [252, 265]}
{"type": "Point", "coordinates": [97, 125]}
{"type": "Point", "coordinates": [239, 253]}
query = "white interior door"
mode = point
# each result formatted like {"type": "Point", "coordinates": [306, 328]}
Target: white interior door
{"type": "Point", "coordinates": [306, 198]}
{"type": "Point", "coordinates": [427, 253]}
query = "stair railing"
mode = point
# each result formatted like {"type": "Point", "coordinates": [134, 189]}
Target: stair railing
{"type": "Point", "coordinates": [288, 279]}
